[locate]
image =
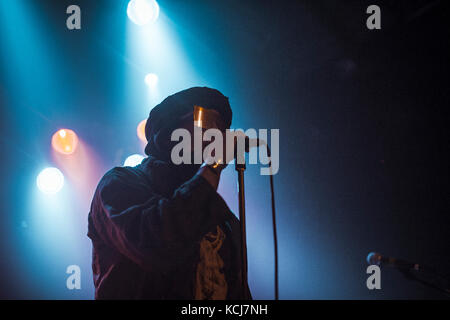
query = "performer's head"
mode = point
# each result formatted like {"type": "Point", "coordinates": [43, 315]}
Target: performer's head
{"type": "Point", "coordinates": [179, 111]}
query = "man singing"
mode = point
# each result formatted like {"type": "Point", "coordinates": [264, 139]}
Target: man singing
{"type": "Point", "coordinates": [160, 230]}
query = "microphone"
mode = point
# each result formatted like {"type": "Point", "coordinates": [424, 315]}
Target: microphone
{"type": "Point", "coordinates": [249, 142]}
{"type": "Point", "coordinates": [379, 260]}
{"type": "Point", "coordinates": [253, 142]}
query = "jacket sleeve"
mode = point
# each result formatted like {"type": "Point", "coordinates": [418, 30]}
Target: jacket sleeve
{"type": "Point", "coordinates": [159, 232]}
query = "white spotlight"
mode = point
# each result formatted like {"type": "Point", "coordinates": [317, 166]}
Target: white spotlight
{"type": "Point", "coordinates": [50, 180]}
{"type": "Point", "coordinates": [142, 12]}
{"type": "Point", "coordinates": [151, 79]}
{"type": "Point", "coordinates": [133, 160]}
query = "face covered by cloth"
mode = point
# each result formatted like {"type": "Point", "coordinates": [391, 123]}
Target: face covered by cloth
{"type": "Point", "coordinates": [169, 114]}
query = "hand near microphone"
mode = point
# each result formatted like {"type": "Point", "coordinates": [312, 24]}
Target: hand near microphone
{"type": "Point", "coordinates": [212, 168]}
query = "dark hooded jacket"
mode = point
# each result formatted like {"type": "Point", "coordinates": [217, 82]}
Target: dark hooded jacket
{"type": "Point", "coordinates": [159, 231]}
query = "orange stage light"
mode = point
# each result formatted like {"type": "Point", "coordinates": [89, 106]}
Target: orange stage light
{"type": "Point", "coordinates": [141, 131]}
{"type": "Point", "coordinates": [65, 141]}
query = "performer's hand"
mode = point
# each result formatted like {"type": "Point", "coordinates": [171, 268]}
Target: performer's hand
{"type": "Point", "coordinates": [211, 172]}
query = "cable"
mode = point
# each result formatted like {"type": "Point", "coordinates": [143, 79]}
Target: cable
{"type": "Point", "coordinates": [274, 224]}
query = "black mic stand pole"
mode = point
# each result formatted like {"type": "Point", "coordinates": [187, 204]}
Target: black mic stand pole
{"type": "Point", "coordinates": [240, 168]}
{"type": "Point", "coordinates": [411, 275]}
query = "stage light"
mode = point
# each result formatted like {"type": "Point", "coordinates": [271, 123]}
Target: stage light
{"type": "Point", "coordinates": [151, 79]}
{"type": "Point", "coordinates": [133, 160]}
{"type": "Point", "coordinates": [50, 180]}
{"type": "Point", "coordinates": [141, 130]}
{"type": "Point", "coordinates": [142, 12]}
{"type": "Point", "coordinates": [65, 141]}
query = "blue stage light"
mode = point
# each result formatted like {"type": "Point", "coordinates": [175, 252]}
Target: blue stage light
{"type": "Point", "coordinates": [133, 160]}
{"type": "Point", "coordinates": [151, 79]}
{"type": "Point", "coordinates": [142, 12]}
{"type": "Point", "coordinates": [50, 180]}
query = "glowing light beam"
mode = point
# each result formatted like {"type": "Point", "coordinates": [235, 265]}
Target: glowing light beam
{"type": "Point", "coordinates": [142, 12]}
{"type": "Point", "coordinates": [151, 79]}
{"type": "Point", "coordinates": [133, 160]}
{"type": "Point", "coordinates": [141, 130]}
{"type": "Point", "coordinates": [65, 141]}
{"type": "Point", "coordinates": [50, 180]}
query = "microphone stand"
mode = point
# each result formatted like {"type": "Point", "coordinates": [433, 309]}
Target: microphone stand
{"type": "Point", "coordinates": [410, 275]}
{"type": "Point", "coordinates": [240, 168]}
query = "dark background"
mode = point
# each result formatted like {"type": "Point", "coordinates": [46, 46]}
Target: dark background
{"type": "Point", "coordinates": [363, 132]}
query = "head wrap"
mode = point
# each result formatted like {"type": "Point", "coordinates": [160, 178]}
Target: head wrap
{"type": "Point", "coordinates": [165, 117]}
